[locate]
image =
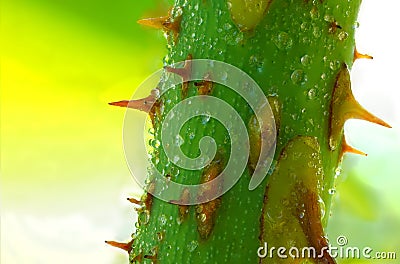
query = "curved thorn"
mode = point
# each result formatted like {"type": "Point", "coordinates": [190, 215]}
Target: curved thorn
{"type": "Point", "coordinates": [346, 148]}
{"type": "Point", "coordinates": [358, 55]}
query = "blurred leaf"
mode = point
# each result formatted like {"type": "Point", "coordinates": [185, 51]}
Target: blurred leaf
{"type": "Point", "coordinates": [358, 198]}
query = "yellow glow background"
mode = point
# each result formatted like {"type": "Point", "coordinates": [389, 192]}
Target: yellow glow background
{"type": "Point", "coordinates": [63, 176]}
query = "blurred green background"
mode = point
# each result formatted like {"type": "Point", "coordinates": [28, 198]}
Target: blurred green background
{"type": "Point", "coordinates": [63, 176]}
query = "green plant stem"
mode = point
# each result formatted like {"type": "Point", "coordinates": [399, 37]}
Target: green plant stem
{"type": "Point", "coordinates": [294, 52]}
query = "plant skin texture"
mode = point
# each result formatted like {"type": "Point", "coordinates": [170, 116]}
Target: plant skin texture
{"type": "Point", "coordinates": [300, 53]}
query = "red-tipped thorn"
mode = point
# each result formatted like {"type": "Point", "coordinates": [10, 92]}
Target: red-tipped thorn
{"type": "Point", "coordinates": [124, 246]}
{"type": "Point", "coordinates": [144, 104]}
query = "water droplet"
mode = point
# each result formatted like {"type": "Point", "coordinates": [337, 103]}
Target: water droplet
{"type": "Point", "coordinates": [356, 25]}
{"type": "Point", "coordinates": [323, 76]}
{"type": "Point", "coordinates": [332, 143]}
{"type": "Point", "coordinates": [162, 219]}
{"type": "Point", "coordinates": [155, 143]}
{"type": "Point", "coordinates": [203, 218]}
{"type": "Point", "coordinates": [332, 191]}
{"type": "Point", "coordinates": [168, 176]}
{"type": "Point", "coordinates": [301, 215]}
{"type": "Point", "coordinates": [257, 62]}
{"type": "Point", "coordinates": [305, 60]}
{"type": "Point", "coordinates": [317, 32]}
{"type": "Point", "coordinates": [329, 18]}
{"type": "Point", "coordinates": [156, 160]}
{"type": "Point", "coordinates": [334, 65]}
{"type": "Point", "coordinates": [176, 159]}
{"type": "Point", "coordinates": [174, 170]}
{"type": "Point", "coordinates": [239, 38]}
{"type": "Point", "coordinates": [224, 76]}
{"type": "Point", "coordinates": [311, 93]}
{"type": "Point", "coordinates": [321, 206]}
{"type": "Point", "coordinates": [338, 170]}
{"type": "Point", "coordinates": [160, 236]}
{"type": "Point", "coordinates": [205, 119]}
{"type": "Point", "coordinates": [192, 245]}
{"type": "Point", "coordinates": [144, 217]}
{"type": "Point", "coordinates": [314, 13]}
{"type": "Point", "coordinates": [283, 41]}
{"type": "Point", "coordinates": [179, 140]}
{"type": "Point", "coordinates": [298, 77]}
{"type": "Point", "coordinates": [227, 26]}
{"type": "Point", "coordinates": [306, 40]}
{"type": "Point", "coordinates": [343, 35]}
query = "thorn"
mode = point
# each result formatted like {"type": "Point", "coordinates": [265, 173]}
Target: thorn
{"type": "Point", "coordinates": [152, 255]}
{"type": "Point", "coordinates": [182, 203]}
{"type": "Point", "coordinates": [134, 201]}
{"type": "Point", "coordinates": [124, 246]}
{"type": "Point", "coordinates": [346, 148]}
{"type": "Point", "coordinates": [184, 72]}
{"type": "Point", "coordinates": [138, 258]}
{"type": "Point", "coordinates": [144, 104]}
{"type": "Point", "coordinates": [206, 213]}
{"type": "Point", "coordinates": [344, 106]}
{"type": "Point", "coordinates": [358, 55]}
{"type": "Point", "coordinates": [154, 22]}
{"type": "Point", "coordinates": [333, 26]}
{"type": "Point", "coordinates": [154, 112]}
{"type": "Point", "coordinates": [153, 258]}
{"type": "Point", "coordinates": [166, 23]}
{"type": "Point", "coordinates": [148, 201]}
{"type": "Point", "coordinates": [359, 112]}
{"type": "Point", "coordinates": [139, 209]}
{"type": "Point", "coordinates": [183, 200]}
{"type": "Point", "coordinates": [204, 87]}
